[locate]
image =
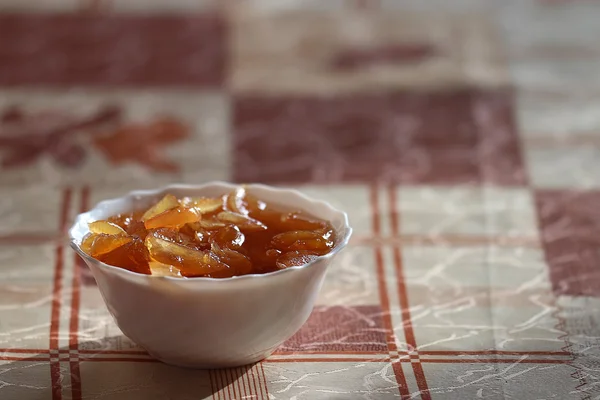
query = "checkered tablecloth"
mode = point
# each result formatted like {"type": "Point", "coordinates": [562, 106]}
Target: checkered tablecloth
{"type": "Point", "coordinates": [461, 136]}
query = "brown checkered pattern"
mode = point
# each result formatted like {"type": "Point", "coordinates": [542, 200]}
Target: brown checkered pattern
{"type": "Point", "coordinates": [462, 137]}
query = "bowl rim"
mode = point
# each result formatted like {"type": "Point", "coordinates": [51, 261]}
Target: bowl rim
{"type": "Point", "coordinates": [133, 194]}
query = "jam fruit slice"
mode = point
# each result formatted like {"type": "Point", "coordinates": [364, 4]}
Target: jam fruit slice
{"type": "Point", "coordinates": [202, 238]}
{"type": "Point", "coordinates": [302, 240]}
{"type": "Point", "coordinates": [203, 205]}
{"type": "Point", "coordinates": [137, 228]}
{"type": "Point", "coordinates": [283, 241]}
{"type": "Point", "coordinates": [238, 263]}
{"type": "Point", "coordinates": [173, 218]}
{"type": "Point", "coordinates": [273, 253]}
{"type": "Point", "coordinates": [131, 223]}
{"type": "Point", "coordinates": [190, 261]}
{"type": "Point", "coordinates": [240, 201]}
{"type": "Point", "coordinates": [209, 223]}
{"type": "Point", "coordinates": [295, 259]}
{"type": "Point", "coordinates": [166, 203]}
{"type": "Point", "coordinates": [295, 221]}
{"type": "Point", "coordinates": [243, 222]}
{"type": "Point", "coordinates": [178, 237]}
{"type": "Point", "coordinates": [229, 236]}
{"type": "Point", "coordinates": [318, 246]}
{"type": "Point", "coordinates": [122, 220]}
{"type": "Point", "coordinates": [132, 256]}
{"type": "Point", "coordinates": [235, 201]}
{"type": "Point", "coordinates": [106, 227]}
{"type": "Point", "coordinates": [160, 269]}
{"type": "Point", "coordinates": [97, 244]}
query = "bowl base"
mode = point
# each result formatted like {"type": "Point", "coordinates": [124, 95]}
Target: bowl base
{"type": "Point", "coordinates": [207, 365]}
{"type": "Point", "coordinates": [190, 364]}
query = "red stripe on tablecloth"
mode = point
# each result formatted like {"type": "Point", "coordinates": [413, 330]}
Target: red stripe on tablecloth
{"type": "Point", "coordinates": [493, 352]}
{"type": "Point", "coordinates": [27, 351]}
{"type": "Point", "coordinates": [235, 383]}
{"type": "Point", "coordinates": [239, 382]}
{"type": "Point", "coordinates": [118, 359]}
{"type": "Point", "coordinates": [227, 383]}
{"type": "Point", "coordinates": [494, 361]}
{"type": "Point", "coordinates": [383, 296]}
{"type": "Point", "coordinates": [17, 358]}
{"type": "Point", "coordinates": [243, 379]}
{"type": "Point", "coordinates": [327, 359]}
{"type": "Point", "coordinates": [264, 380]}
{"type": "Point", "coordinates": [231, 378]}
{"type": "Point", "coordinates": [56, 293]}
{"type": "Point", "coordinates": [218, 384]}
{"type": "Point", "coordinates": [254, 380]}
{"type": "Point", "coordinates": [375, 212]}
{"type": "Point", "coordinates": [75, 303]}
{"type": "Point", "coordinates": [247, 382]}
{"type": "Point", "coordinates": [76, 393]}
{"type": "Point", "coordinates": [225, 390]}
{"type": "Point", "coordinates": [426, 360]}
{"type": "Point", "coordinates": [75, 282]}
{"type": "Point", "coordinates": [327, 352]}
{"type": "Point", "coordinates": [120, 352]}
{"type": "Point", "coordinates": [81, 351]}
{"type": "Point", "coordinates": [213, 387]}
{"type": "Point", "coordinates": [434, 353]}
{"type": "Point", "coordinates": [403, 297]}
{"type": "Point", "coordinates": [223, 384]}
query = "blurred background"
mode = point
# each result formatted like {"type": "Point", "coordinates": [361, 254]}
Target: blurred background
{"type": "Point", "coordinates": [120, 92]}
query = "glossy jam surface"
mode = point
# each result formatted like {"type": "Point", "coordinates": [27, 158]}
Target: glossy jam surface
{"type": "Point", "coordinates": [219, 237]}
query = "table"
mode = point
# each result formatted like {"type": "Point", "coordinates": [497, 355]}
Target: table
{"type": "Point", "coordinates": [460, 136]}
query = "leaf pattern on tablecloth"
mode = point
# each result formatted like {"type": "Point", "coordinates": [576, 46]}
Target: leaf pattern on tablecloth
{"type": "Point", "coordinates": [26, 137]}
{"type": "Point", "coordinates": [143, 144]}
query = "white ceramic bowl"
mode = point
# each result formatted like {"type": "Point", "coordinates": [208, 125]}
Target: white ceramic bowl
{"type": "Point", "coordinates": [205, 322]}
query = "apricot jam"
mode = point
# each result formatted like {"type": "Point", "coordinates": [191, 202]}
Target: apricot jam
{"type": "Point", "coordinates": [217, 237]}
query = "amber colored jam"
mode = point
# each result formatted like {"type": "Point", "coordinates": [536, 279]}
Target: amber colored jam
{"type": "Point", "coordinates": [218, 237]}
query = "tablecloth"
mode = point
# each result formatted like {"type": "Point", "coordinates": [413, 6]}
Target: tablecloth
{"type": "Point", "coordinates": [462, 138]}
